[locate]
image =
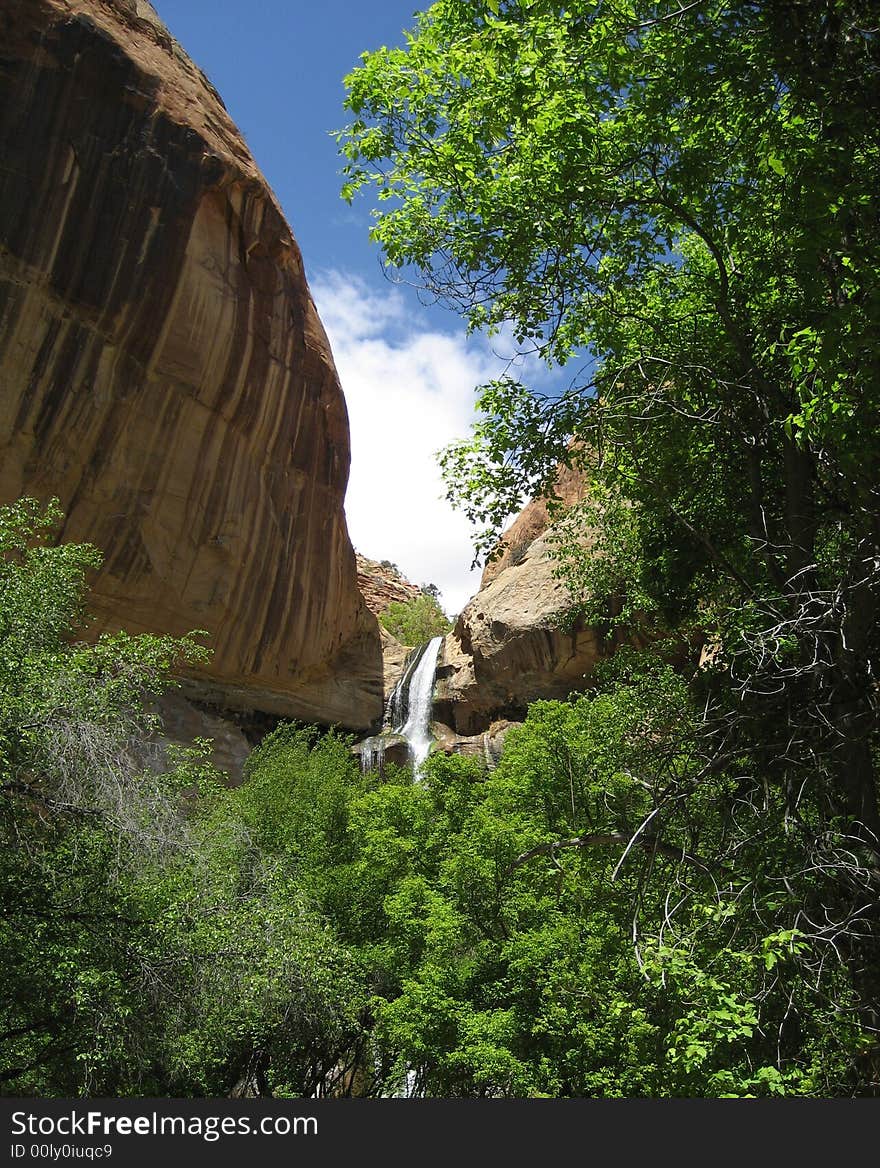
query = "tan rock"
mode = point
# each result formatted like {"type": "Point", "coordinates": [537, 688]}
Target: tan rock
{"type": "Point", "coordinates": [569, 487]}
{"type": "Point", "coordinates": [487, 746]}
{"type": "Point", "coordinates": [386, 747]}
{"type": "Point", "coordinates": [164, 371]}
{"type": "Point", "coordinates": [508, 648]}
{"type": "Point", "coordinates": [381, 585]}
{"type": "Point", "coordinates": [394, 658]}
{"type": "Point", "coordinates": [510, 645]}
{"type": "Point", "coordinates": [183, 723]}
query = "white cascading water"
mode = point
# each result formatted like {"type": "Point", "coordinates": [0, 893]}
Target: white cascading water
{"type": "Point", "coordinates": [372, 754]}
{"type": "Point", "coordinates": [416, 728]}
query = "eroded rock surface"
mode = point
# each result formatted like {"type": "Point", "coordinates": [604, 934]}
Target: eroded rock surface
{"type": "Point", "coordinates": [183, 724]}
{"type": "Point", "coordinates": [487, 746]}
{"type": "Point", "coordinates": [509, 646]}
{"type": "Point", "coordinates": [508, 649]}
{"type": "Point", "coordinates": [382, 584]}
{"type": "Point", "coordinates": [568, 488]}
{"type": "Point", "coordinates": [163, 368]}
{"type": "Point", "coordinates": [394, 659]}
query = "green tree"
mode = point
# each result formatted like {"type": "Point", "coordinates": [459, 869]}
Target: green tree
{"type": "Point", "coordinates": [679, 199]}
{"type": "Point", "coordinates": [415, 621]}
{"type": "Point", "coordinates": [518, 935]}
{"type": "Point", "coordinates": [77, 805]}
{"type": "Point", "coordinates": [148, 944]}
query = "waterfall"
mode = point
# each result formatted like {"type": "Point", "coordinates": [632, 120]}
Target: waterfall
{"type": "Point", "coordinates": [372, 754]}
{"type": "Point", "coordinates": [409, 707]}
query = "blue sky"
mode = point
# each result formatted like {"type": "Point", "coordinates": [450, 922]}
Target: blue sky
{"type": "Point", "coordinates": [407, 371]}
{"type": "Point", "coordinates": [278, 65]}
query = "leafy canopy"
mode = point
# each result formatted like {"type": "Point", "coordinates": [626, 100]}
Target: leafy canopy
{"type": "Point", "coordinates": [679, 193]}
{"type": "Point", "coordinates": [147, 945]}
{"type": "Point", "coordinates": [678, 202]}
{"type": "Point", "coordinates": [493, 915]}
{"type": "Point", "coordinates": [415, 621]}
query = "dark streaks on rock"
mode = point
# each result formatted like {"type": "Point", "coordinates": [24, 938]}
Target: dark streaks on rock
{"type": "Point", "coordinates": [163, 368]}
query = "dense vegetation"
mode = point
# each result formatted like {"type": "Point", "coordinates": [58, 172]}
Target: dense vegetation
{"type": "Point", "coordinates": [415, 621]}
{"type": "Point", "coordinates": [146, 945]}
{"type": "Point", "coordinates": [678, 201]}
{"type": "Point", "coordinates": [556, 927]}
{"type": "Point", "coordinates": [668, 886]}
{"type": "Point", "coordinates": [513, 948]}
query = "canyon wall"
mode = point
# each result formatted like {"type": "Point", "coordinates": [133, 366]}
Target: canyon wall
{"type": "Point", "coordinates": [163, 368]}
{"type": "Point", "coordinates": [382, 584]}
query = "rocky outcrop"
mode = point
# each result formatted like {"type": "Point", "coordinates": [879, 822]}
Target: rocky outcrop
{"type": "Point", "coordinates": [569, 488]}
{"type": "Point", "coordinates": [394, 659]}
{"type": "Point", "coordinates": [381, 584]}
{"type": "Point", "coordinates": [509, 645]}
{"type": "Point", "coordinates": [487, 746]}
{"type": "Point", "coordinates": [164, 371]}
{"type": "Point", "coordinates": [184, 723]}
{"type": "Point", "coordinates": [376, 752]}
{"type": "Point", "coordinates": [385, 747]}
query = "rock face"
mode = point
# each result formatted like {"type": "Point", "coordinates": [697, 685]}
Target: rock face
{"type": "Point", "coordinates": [533, 521]}
{"type": "Point", "coordinates": [183, 723]}
{"type": "Point", "coordinates": [382, 584]}
{"type": "Point", "coordinates": [487, 746]}
{"type": "Point", "coordinates": [507, 648]}
{"type": "Point", "coordinates": [394, 659]}
{"type": "Point", "coordinates": [164, 371]}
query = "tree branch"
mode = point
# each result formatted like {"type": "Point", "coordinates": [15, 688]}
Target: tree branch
{"type": "Point", "coordinates": [614, 839]}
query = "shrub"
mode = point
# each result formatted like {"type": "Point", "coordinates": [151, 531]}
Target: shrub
{"type": "Point", "coordinates": [415, 621]}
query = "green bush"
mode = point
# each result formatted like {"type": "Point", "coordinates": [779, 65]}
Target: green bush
{"type": "Point", "coordinates": [557, 927]}
{"type": "Point", "coordinates": [605, 914]}
{"type": "Point", "coordinates": [149, 944]}
{"type": "Point", "coordinates": [415, 621]}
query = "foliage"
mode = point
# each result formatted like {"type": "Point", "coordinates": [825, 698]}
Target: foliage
{"type": "Point", "coordinates": [73, 797]}
{"type": "Point", "coordinates": [415, 621]}
{"type": "Point", "coordinates": [602, 915]}
{"type": "Point", "coordinates": [493, 916]}
{"type": "Point", "coordinates": [678, 199]}
{"type": "Point", "coordinates": [148, 947]}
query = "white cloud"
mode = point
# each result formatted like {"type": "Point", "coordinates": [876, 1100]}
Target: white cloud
{"type": "Point", "coordinates": [409, 390]}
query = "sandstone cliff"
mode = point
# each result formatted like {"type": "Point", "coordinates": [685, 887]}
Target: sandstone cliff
{"type": "Point", "coordinates": [164, 371]}
{"type": "Point", "coordinates": [533, 521]}
{"type": "Point", "coordinates": [507, 648]}
{"type": "Point", "coordinates": [381, 584]}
